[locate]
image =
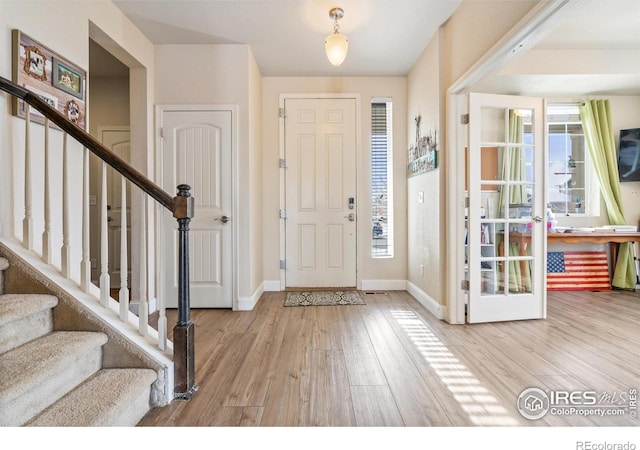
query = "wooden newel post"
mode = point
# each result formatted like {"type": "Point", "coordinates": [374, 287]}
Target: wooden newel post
{"type": "Point", "coordinates": [183, 332]}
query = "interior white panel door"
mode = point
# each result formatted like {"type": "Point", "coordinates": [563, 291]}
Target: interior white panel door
{"type": "Point", "coordinates": [196, 150]}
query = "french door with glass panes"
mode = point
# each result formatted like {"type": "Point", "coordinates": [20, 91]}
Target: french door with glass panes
{"type": "Point", "coordinates": [506, 253]}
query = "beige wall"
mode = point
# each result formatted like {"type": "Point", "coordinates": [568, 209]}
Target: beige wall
{"type": "Point", "coordinates": [109, 103]}
{"type": "Point", "coordinates": [426, 219]}
{"type": "Point", "coordinates": [474, 28]}
{"type": "Point", "coordinates": [368, 268]}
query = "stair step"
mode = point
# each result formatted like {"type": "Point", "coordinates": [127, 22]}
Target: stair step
{"type": "Point", "coordinates": [111, 397]}
{"type": "Point", "coordinates": [40, 372]}
{"type": "Point", "coordinates": [24, 317]}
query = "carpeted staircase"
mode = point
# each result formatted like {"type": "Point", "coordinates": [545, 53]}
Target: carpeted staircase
{"type": "Point", "coordinates": [56, 378]}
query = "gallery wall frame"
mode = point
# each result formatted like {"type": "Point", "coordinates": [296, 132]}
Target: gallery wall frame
{"type": "Point", "coordinates": [53, 78]}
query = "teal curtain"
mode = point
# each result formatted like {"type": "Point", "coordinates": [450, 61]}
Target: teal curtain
{"type": "Point", "coordinates": [513, 169]}
{"type": "Point", "coordinates": [598, 131]}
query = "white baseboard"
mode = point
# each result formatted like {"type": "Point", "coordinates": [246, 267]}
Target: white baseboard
{"type": "Point", "coordinates": [248, 303]}
{"type": "Point", "coordinates": [384, 285]}
{"type": "Point", "coordinates": [432, 306]}
{"type": "Point", "coordinates": [271, 285]}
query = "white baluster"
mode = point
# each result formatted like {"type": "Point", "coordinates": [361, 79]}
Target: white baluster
{"type": "Point", "coordinates": [27, 222]}
{"type": "Point", "coordinates": [66, 211]}
{"type": "Point", "coordinates": [124, 255]}
{"type": "Point", "coordinates": [105, 280]}
{"type": "Point", "coordinates": [47, 249]}
{"type": "Point", "coordinates": [162, 321]}
{"type": "Point", "coordinates": [143, 313]}
{"type": "Point", "coordinates": [85, 264]}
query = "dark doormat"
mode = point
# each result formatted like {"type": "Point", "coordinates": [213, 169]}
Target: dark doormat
{"type": "Point", "coordinates": [323, 298]}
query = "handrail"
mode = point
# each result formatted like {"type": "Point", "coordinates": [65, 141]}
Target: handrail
{"type": "Point", "coordinates": [182, 208]}
{"type": "Point", "coordinates": [91, 143]}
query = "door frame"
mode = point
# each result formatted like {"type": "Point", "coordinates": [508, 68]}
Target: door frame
{"type": "Point", "coordinates": [281, 138]}
{"type": "Point", "coordinates": [540, 21]}
{"type": "Point", "coordinates": [159, 111]}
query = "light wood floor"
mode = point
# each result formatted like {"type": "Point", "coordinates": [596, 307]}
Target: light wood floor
{"type": "Point", "coordinates": [391, 363]}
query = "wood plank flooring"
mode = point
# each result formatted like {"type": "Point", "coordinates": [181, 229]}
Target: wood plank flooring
{"type": "Point", "coordinates": [391, 363]}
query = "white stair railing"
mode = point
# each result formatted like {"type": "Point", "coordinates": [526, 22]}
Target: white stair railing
{"type": "Point", "coordinates": [52, 171]}
{"type": "Point", "coordinates": [181, 206]}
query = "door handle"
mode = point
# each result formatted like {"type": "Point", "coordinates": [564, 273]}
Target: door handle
{"type": "Point", "coordinates": [537, 219]}
{"type": "Point", "coordinates": [223, 219]}
{"type": "Point", "coordinates": [351, 217]}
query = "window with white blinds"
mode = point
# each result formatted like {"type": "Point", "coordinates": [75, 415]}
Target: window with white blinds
{"type": "Point", "coordinates": [381, 179]}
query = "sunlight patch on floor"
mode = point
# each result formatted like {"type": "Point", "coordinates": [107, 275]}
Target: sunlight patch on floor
{"type": "Point", "coordinates": [475, 399]}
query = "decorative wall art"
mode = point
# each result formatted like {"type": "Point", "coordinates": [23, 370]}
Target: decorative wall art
{"type": "Point", "coordinates": [423, 154]}
{"type": "Point", "coordinates": [55, 80]}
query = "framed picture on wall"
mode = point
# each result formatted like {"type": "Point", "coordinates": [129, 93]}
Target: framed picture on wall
{"type": "Point", "coordinates": [67, 78]}
{"type": "Point", "coordinates": [34, 63]}
{"type": "Point", "coordinates": [53, 78]}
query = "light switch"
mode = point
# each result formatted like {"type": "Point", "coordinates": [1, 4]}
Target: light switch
{"type": "Point", "coordinates": [92, 200]}
{"type": "Point", "coordinates": [420, 197]}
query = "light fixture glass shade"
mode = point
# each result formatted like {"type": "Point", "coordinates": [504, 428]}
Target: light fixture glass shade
{"type": "Point", "coordinates": [336, 46]}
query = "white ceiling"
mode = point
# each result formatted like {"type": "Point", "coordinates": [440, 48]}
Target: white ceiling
{"type": "Point", "coordinates": [386, 37]}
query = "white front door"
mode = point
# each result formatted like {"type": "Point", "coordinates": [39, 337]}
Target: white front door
{"type": "Point", "coordinates": [197, 150]}
{"type": "Point", "coordinates": [117, 140]}
{"type": "Point", "coordinates": [320, 191]}
{"type": "Point", "coordinates": [507, 211]}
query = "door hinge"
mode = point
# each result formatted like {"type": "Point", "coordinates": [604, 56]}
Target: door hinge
{"type": "Point", "coordinates": [283, 264]}
{"type": "Point", "coordinates": [464, 119]}
{"type": "Point", "coordinates": [283, 214]}
{"type": "Point", "coordinates": [283, 163]}
{"type": "Point", "coordinates": [466, 202]}
{"type": "Point", "coordinates": [464, 285]}
{"type": "Point", "coordinates": [281, 113]}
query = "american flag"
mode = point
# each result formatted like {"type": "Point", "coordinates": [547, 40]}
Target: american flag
{"type": "Point", "coordinates": [577, 271]}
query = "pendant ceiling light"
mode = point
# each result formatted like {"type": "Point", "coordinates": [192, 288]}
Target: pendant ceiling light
{"type": "Point", "coordinates": [336, 44]}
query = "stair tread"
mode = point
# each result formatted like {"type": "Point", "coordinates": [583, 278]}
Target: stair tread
{"type": "Point", "coordinates": [34, 362]}
{"type": "Point", "coordinates": [99, 400]}
{"type": "Point", "coordinates": [16, 306]}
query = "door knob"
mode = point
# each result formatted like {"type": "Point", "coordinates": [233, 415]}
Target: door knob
{"type": "Point", "coordinates": [351, 217]}
{"type": "Point", "coordinates": [224, 219]}
{"type": "Point", "coordinates": [537, 219]}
